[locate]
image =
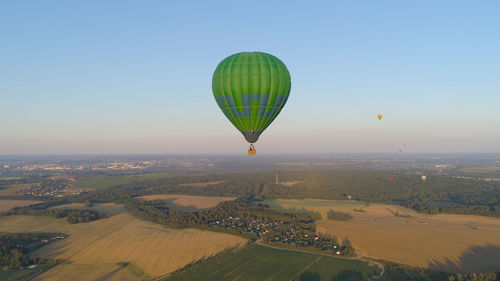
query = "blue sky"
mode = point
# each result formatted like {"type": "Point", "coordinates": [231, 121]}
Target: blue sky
{"type": "Point", "coordinates": [135, 76]}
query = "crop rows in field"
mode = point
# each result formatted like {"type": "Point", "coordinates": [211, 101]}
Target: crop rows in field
{"type": "Point", "coordinates": [262, 263]}
{"type": "Point", "coordinates": [151, 248]}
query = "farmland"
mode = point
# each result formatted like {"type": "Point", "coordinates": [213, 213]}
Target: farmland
{"type": "Point", "coordinates": [189, 202]}
{"type": "Point", "coordinates": [6, 205]}
{"type": "Point", "coordinates": [444, 242]}
{"type": "Point", "coordinates": [262, 263]}
{"type": "Point", "coordinates": [9, 190]}
{"type": "Point", "coordinates": [316, 205]}
{"type": "Point", "coordinates": [95, 249]}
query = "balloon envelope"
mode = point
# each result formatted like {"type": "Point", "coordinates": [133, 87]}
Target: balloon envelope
{"type": "Point", "coordinates": [424, 178]}
{"type": "Point", "coordinates": [379, 116]}
{"type": "Point", "coordinates": [251, 88]}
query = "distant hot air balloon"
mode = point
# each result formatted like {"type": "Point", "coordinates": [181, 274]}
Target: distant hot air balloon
{"type": "Point", "coordinates": [379, 117]}
{"type": "Point", "coordinates": [251, 88]}
{"type": "Point", "coordinates": [400, 150]}
{"type": "Point", "coordinates": [390, 179]}
{"type": "Point", "coordinates": [424, 177]}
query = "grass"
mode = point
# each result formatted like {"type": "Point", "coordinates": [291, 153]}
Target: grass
{"type": "Point", "coordinates": [95, 248]}
{"type": "Point", "coordinates": [320, 206]}
{"type": "Point", "coordinates": [188, 202]}
{"type": "Point", "coordinates": [262, 263]}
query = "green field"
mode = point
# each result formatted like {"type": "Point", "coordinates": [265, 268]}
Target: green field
{"type": "Point", "coordinates": [262, 263]}
{"type": "Point", "coordinates": [320, 206]}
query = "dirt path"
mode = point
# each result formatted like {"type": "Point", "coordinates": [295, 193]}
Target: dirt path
{"type": "Point", "coordinates": [307, 267]}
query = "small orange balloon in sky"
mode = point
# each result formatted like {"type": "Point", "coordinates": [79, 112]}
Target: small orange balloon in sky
{"type": "Point", "coordinates": [379, 117]}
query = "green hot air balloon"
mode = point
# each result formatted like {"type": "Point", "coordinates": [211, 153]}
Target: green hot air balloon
{"type": "Point", "coordinates": [251, 88]}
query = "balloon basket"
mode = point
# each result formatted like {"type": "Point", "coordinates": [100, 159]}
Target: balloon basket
{"type": "Point", "coordinates": [251, 150]}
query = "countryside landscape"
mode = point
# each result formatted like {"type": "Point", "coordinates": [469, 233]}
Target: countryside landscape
{"type": "Point", "coordinates": [343, 223]}
{"type": "Point", "coordinates": [226, 140]}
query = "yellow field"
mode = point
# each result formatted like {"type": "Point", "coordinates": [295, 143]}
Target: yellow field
{"type": "Point", "coordinates": [189, 201]}
{"type": "Point", "coordinates": [6, 205]}
{"type": "Point", "coordinates": [451, 243]}
{"type": "Point", "coordinates": [12, 189]}
{"type": "Point", "coordinates": [95, 248]}
{"type": "Point", "coordinates": [101, 271]}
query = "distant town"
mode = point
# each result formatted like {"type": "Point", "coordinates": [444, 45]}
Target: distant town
{"type": "Point", "coordinates": [76, 163]}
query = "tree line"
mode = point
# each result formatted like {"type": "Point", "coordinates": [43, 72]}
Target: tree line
{"type": "Point", "coordinates": [339, 216]}
{"type": "Point", "coordinates": [14, 249]}
{"type": "Point", "coordinates": [73, 215]}
{"type": "Point", "coordinates": [437, 194]}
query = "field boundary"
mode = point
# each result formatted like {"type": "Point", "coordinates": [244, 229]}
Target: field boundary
{"type": "Point", "coordinates": [320, 255]}
{"type": "Point", "coordinates": [358, 257]}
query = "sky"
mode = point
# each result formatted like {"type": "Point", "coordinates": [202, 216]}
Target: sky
{"type": "Point", "coordinates": [126, 77]}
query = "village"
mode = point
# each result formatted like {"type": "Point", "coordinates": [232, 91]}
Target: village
{"type": "Point", "coordinates": [283, 232]}
{"type": "Point", "coordinates": [52, 189]}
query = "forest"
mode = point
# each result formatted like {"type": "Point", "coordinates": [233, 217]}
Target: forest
{"type": "Point", "coordinates": [437, 194]}
{"type": "Point", "coordinates": [73, 215]}
{"type": "Point", "coordinates": [14, 248]}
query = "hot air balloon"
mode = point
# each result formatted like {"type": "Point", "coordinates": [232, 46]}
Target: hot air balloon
{"type": "Point", "coordinates": [400, 150]}
{"type": "Point", "coordinates": [390, 179]}
{"type": "Point", "coordinates": [251, 88]}
{"type": "Point", "coordinates": [379, 117]}
{"type": "Point", "coordinates": [424, 177]}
